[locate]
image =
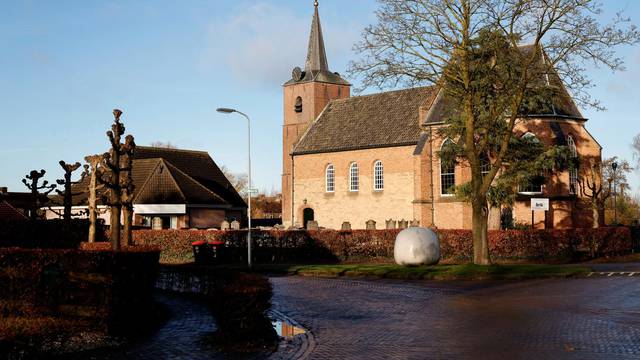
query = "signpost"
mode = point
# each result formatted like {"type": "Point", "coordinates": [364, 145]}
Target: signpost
{"type": "Point", "coordinates": [539, 204]}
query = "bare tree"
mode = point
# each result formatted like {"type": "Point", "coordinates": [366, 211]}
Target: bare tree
{"type": "Point", "coordinates": [239, 181]}
{"type": "Point", "coordinates": [594, 188]}
{"type": "Point", "coordinates": [67, 194]}
{"type": "Point", "coordinates": [38, 198]}
{"type": "Point", "coordinates": [94, 162]}
{"type": "Point", "coordinates": [636, 150]}
{"type": "Point", "coordinates": [472, 50]}
{"type": "Point", "coordinates": [162, 144]}
{"type": "Point", "coordinates": [116, 177]}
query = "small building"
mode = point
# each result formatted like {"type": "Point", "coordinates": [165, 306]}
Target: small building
{"type": "Point", "coordinates": [14, 205]}
{"type": "Point", "coordinates": [174, 189]}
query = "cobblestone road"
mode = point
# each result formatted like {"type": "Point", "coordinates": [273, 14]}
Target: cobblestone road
{"type": "Point", "coordinates": [591, 318]}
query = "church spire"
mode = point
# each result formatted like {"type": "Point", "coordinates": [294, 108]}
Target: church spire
{"type": "Point", "coordinates": [316, 55]}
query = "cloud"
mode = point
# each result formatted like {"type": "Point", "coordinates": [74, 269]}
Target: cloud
{"type": "Point", "coordinates": [259, 44]}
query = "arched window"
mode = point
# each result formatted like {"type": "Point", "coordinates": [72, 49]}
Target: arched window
{"type": "Point", "coordinates": [447, 172]}
{"type": "Point", "coordinates": [378, 176]}
{"type": "Point", "coordinates": [534, 184]}
{"type": "Point", "coordinates": [573, 173]}
{"type": "Point", "coordinates": [298, 106]}
{"type": "Point", "coordinates": [330, 178]}
{"type": "Point", "coordinates": [354, 177]}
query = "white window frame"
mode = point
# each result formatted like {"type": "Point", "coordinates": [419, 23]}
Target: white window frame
{"type": "Point", "coordinates": [378, 176]}
{"type": "Point", "coordinates": [442, 188]}
{"type": "Point", "coordinates": [330, 179]}
{"type": "Point", "coordinates": [354, 177]}
{"type": "Point", "coordinates": [573, 173]}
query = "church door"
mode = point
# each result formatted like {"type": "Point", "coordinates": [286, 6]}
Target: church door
{"type": "Point", "coordinates": [307, 215]}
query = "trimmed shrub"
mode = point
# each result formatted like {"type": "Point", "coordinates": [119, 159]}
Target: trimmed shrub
{"type": "Point", "coordinates": [45, 234]}
{"type": "Point", "coordinates": [279, 246]}
{"type": "Point", "coordinates": [109, 289]}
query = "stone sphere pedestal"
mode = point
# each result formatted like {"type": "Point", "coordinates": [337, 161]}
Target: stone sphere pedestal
{"type": "Point", "coordinates": [417, 246]}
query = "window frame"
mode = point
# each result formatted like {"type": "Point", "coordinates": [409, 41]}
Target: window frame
{"type": "Point", "coordinates": [378, 175]}
{"type": "Point", "coordinates": [330, 178]}
{"type": "Point", "coordinates": [573, 173]}
{"type": "Point", "coordinates": [444, 191]}
{"type": "Point", "coordinates": [354, 177]}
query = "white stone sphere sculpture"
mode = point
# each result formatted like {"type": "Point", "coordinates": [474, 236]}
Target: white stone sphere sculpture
{"type": "Point", "coordinates": [417, 246]}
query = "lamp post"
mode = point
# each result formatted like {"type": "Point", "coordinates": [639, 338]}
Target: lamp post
{"type": "Point", "coordinates": [230, 111]}
{"type": "Point", "coordinates": [614, 167]}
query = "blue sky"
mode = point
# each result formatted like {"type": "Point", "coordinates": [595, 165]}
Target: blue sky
{"type": "Point", "coordinates": [169, 64]}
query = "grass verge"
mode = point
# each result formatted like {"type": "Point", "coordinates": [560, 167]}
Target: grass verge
{"type": "Point", "coordinates": [435, 272]}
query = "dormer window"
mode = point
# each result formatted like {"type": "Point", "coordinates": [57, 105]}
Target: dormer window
{"type": "Point", "coordinates": [298, 106]}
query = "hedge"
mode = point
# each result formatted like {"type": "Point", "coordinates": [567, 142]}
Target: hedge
{"type": "Point", "coordinates": [110, 289]}
{"type": "Point", "coordinates": [46, 234]}
{"type": "Point", "coordinates": [281, 246]}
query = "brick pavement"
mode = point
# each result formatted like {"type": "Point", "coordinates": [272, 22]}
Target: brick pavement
{"type": "Point", "coordinates": [592, 318]}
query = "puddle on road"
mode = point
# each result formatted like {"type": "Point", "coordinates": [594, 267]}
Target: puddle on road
{"type": "Point", "coordinates": [287, 330]}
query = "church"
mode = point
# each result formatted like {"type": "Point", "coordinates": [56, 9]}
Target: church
{"type": "Point", "coordinates": [353, 159]}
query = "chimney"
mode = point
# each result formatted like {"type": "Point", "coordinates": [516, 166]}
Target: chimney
{"type": "Point", "coordinates": [3, 190]}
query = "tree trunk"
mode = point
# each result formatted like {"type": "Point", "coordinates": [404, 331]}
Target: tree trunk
{"type": "Point", "coordinates": [126, 226]}
{"type": "Point", "coordinates": [595, 212]}
{"type": "Point", "coordinates": [480, 223]}
{"type": "Point", "coordinates": [93, 217]}
{"type": "Point", "coordinates": [115, 227]}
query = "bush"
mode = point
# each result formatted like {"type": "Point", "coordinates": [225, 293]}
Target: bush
{"type": "Point", "coordinates": [279, 246]}
{"type": "Point", "coordinates": [240, 308]}
{"type": "Point", "coordinates": [111, 289]}
{"type": "Point", "coordinates": [45, 234]}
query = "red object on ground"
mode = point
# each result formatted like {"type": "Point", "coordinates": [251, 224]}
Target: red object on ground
{"type": "Point", "coordinates": [216, 242]}
{"type": "Point", "coordinates": [198, 243]}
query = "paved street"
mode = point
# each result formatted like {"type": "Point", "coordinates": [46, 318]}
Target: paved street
{"type": "Point", "coordinates": [590, 318]}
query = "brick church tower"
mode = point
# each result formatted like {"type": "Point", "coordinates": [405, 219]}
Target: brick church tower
{"type": "Point", "coordinates": [305, 96]}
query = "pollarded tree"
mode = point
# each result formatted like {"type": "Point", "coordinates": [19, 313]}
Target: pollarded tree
{"type": "Point", "coordinates": [472, 50]}
{"type": "Point", "coordinates": [116, 177]}
{"type": "Point", "coordinates": [38, 192]}
{"type": "Point", "coordinates": [67, 194]}
{"type": "Point", "coordinates": [95, 168]}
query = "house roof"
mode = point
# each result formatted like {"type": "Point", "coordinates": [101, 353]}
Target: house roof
{"type": "Point", "coordinates": [360, 122]}
{"type": "Point", "coordinates": [174, 176]}
{"type": "Point", "coordinates": [18, 200]}
{"type": "Point", "coordinates": [8, 212]}
{"type": "Point", "coordinates": [199, 166]}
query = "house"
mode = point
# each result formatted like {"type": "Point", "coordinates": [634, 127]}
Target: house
{"type": "Point", "coordinates": [174, 189]}
{"type": "Point", "coordinates": [375, 157]}
{"type": "Point", "coordinates": [14, 205]}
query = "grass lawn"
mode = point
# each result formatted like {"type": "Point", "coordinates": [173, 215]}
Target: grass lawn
{"type": "Point", "coordinates": [435, 272]}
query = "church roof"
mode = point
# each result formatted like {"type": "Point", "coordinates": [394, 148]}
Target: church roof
{"type": "Point", "coordinates": [370, 121]}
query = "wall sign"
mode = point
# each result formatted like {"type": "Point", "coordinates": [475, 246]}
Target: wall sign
{"type": "Point", "coordinates": [539, 204]}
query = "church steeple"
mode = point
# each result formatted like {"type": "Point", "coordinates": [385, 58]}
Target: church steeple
{"type": "Point", "coordinates": [316, 68]}
{"type": "Point", "coordinates": [316, 55]}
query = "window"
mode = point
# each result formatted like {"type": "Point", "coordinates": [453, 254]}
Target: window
{"type": "Point", "coordinates": [353, 177]}
{"type": "Point", "coordinates": [447, 173]}
{"type": "Point", "coordinates": [298, 106]}
{"type": "Point", "coordinates": [573, 173]}
{"type": "Point", "coordinates": [534, 185]}
{"type": "Point", "coordinates": [485, 164]}
{"type": "Point", "coordinates": [378, 176]}
{"type": "Point", "coordinates": [330, 178]}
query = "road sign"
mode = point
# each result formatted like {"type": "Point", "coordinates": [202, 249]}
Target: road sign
{"type": "Point", "coordinates": [252, 191]}
{"type": "Point", "coordinates": [539, 204]}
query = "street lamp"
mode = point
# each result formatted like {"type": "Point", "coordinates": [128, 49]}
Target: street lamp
{"type": "Point", "coordinates": [614, 166]}
{"type": "Point", "coordinates": [230, 111]}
